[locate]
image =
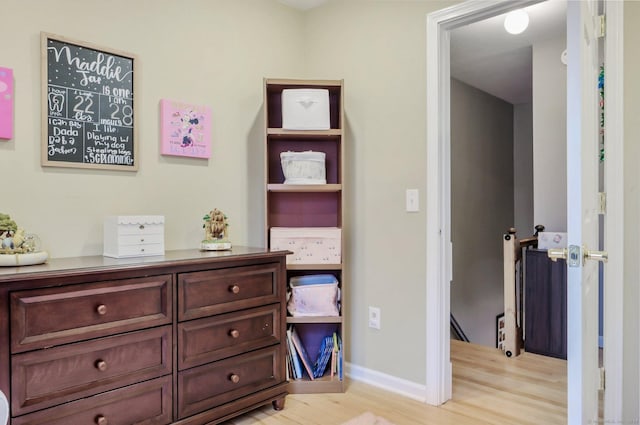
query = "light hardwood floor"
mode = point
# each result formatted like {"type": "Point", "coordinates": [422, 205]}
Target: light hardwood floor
{"type": "Point", "coordinates": [488, 388]}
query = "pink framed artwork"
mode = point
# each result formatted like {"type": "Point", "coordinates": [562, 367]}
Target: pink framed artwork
{"type": "Point", "coordinates": [6, 103]}
{"type": "Point", "coordinates": [185, 129]}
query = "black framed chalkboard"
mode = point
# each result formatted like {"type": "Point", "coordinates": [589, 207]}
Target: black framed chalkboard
{"type": "Point", "coordinates": [88, 106]}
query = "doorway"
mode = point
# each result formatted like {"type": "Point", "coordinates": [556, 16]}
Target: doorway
{"type": "Point", "coordinates": [439, 248]}
{"type": "Point", "coordinates": [494, 82]}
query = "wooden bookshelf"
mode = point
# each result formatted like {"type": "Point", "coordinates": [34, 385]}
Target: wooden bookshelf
{"type": "Point", "coordinates": [312, 205]}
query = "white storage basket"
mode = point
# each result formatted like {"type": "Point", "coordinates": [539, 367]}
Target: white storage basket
{"type": "Point", "coordinates": [314, 295]}
{"type": "Point", "coordinates": [305, 109]}
{"type": "Point", "coordinates": [303, 167]}
{"type": "Point", "coordinates": [310, 245]}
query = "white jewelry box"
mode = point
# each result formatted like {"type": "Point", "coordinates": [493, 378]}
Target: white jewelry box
{"type": "Point", "coordinates": [305, 109]}
{"type": "Point", "coordinates": [133, 236]}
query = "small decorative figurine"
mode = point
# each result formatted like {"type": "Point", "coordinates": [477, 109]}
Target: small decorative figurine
{"type": "Point", "coordinates": [18, 248]}
{"type": "Point", "coordinates": [216, 232]}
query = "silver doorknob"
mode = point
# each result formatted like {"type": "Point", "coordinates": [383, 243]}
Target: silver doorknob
{"type": "Point", "coordinates": [574, 257]}
{"type": "Point", "coordinates": [557, 253]}
{"type": "Point", "coordinates": [596, 255]}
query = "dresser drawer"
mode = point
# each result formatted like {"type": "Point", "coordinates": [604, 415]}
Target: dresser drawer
{"type": "Point", "coordinates": [51, 316]}
{"type": "Point", "coordinates": [44, 378]}
{"type": "Point", "coordinates": [211, 292]}
{"type": "Point", "coordinates": [148, 403]}
{"type": "Point", "coordinates": [205, 340]}
{"type": "Point", "coordinates": [211, 385]}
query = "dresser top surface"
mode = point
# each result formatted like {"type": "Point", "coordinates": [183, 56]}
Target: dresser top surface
{"type": "Point", "coordinates": [101, 263]}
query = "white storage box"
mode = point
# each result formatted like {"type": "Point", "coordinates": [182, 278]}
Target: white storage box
{"type": "Point", "coordinates": [303, 167]}
{"type": "Point", "coordinates": [305, 109]}
{"type": "Point", "coordinates": [310, 245]}
{"type": "Point", "coordinates": [314, 295]}
{"type": "Point", "coordinates": [133, 235]}
{"type": "Point", "coordinates": [548, 240]}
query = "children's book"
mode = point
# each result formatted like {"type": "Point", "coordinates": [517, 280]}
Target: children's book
{"type": "Point", "coordinates": [334, 355]}
{"type": "Point", "coordinates": [302, 353]}
{"type": "Point", "coordinates": [324, 354]}
{"type": "Point", "coordinates": [295, 360]}
{"type": "Point", "coordinates": [339, 359]}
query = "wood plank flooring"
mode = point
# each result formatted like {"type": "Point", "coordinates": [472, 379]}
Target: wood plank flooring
{"type": "Point", "coordinates": [488, 388]}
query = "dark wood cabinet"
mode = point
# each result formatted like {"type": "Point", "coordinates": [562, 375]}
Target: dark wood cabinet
{"type": "Point", "coordinates": [44, 378]}
{"type": "Point", "coordinates": [217, 383]}
{"type": "Point", "coordinates": [47, 317]}
{"type": "Point", "coordinates": [545, 325]}
{"type": "Point", "coordinates": [147, 403]}
{"type": "Point", "coordinates": [95, 339]}
{"type": "Point", "coordinates": [213, 338]}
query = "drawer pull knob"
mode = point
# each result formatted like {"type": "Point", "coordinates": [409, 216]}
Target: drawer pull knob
{"type": "Point", "coordinates": [102, 309]}
{"type": "Point", "coordinates": [101, 365]}
{"type": "Point", "coordinates": [101, 420]}
{"type": "Point", "coordinates": [234, 333]}
{"type": "Point", "coordinates": [141, 227]}
{"type": "Point", "coordinates": [234, 378]}
{"type": "Point", "coordinates": [235, 289]}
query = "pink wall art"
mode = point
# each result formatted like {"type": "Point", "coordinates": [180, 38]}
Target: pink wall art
{"type": "Point", "coordinates": [185, 129]}
{"type": "Point", "coordinates": [6, 103]}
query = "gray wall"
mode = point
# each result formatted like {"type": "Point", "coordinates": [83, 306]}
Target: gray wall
{"type": "Point", "coordinates": [379, 48]}
{"type": "Point", "coordinates": [523, 169]}
{"type": "Point", "coordinates": [549, 135]}
{"type": "Point", "coordinates": [482, 205]}
{"type": "Point", "coordinates": [205, 53]}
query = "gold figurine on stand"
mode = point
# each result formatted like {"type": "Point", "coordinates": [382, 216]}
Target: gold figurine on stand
{"type": "Point", "coordinates": [216, 232]}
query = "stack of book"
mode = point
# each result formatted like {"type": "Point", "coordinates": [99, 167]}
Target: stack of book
{"type": "Point", "coordinates": [300, 363]}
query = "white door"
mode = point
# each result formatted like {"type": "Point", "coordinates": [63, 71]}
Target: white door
{"type": "Point", "coordinates": [582, 212]}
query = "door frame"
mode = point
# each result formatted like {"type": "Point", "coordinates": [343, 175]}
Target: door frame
{"type": "Point", "coordinates": [614, 313]}
{"type": "Point", "coordinates": [438, 203]}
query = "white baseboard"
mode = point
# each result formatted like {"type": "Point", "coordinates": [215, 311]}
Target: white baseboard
{"type": "Point", "coordinates": [386, 382]}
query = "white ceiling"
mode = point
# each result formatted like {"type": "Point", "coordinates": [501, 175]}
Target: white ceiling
{"type": "Point", "coordinates": [485, 56]}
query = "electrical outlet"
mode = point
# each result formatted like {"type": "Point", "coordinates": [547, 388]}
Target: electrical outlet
{"type": "Point", "coordinates": [374, 317]}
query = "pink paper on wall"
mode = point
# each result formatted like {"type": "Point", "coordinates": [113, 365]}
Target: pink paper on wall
{"type": "Point", "coordinates": [6, 103]}
{"type": "Point", "coordinates": [185, 129]}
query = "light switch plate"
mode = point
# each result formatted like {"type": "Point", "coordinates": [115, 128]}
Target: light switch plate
{"type": "Point", "coordinates": [412, 200]}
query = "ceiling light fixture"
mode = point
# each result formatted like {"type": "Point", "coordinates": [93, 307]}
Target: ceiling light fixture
{"type": "Point", "coordinates": [516, 21]}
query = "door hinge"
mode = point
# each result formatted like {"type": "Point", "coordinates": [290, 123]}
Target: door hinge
{"type": "Point", "coordinates": [603, 202]}
{"type": "Point", "coordinates": [601, 26]}
{"type": "Point", "coordinates": [602, 379]}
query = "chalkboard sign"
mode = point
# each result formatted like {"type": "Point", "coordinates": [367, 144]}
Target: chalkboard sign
{"type": "Point", "coordinates": [88, 111]}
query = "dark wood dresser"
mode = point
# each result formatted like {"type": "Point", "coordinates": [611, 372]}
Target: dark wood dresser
{"type": "Point", "coordinates": [190, 337]}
